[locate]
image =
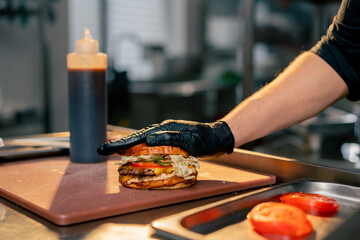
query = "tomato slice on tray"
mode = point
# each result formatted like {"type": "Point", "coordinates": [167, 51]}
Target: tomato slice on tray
{"type": "Point", "coordinates": [311, 202]}
{"type": "Point", "coordinates": [272, 219]}
{"type": "Point", "coordinates": [147, 165]}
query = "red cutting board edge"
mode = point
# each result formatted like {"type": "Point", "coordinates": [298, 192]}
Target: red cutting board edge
{"type": "Point", "coordinates": [67, 193]}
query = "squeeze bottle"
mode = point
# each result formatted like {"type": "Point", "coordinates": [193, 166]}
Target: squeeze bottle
{"type": "Point", "coordinates": [87, 100]}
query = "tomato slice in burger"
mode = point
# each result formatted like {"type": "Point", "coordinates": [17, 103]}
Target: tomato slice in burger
{"type": "Point", "coordinates": [147, 165]}
{"type": "Point", "coordinates": [311, 203]}
{"type": "Point", "coordinates": [273, 219]}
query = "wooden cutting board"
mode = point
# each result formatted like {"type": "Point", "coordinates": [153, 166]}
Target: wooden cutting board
{"type": "Point", "coordinates": [67, 193]}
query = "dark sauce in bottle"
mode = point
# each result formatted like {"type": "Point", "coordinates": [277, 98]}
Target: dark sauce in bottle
{"type": "Point", "coordinates": [88, 114]}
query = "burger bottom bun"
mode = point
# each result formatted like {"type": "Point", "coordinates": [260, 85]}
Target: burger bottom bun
{"type": "Point", "coordinates": [174, 182]}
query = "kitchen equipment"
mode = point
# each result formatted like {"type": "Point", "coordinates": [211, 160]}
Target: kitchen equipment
{"type": "Point", "coordinates": [61, 142]}
{"type": "Point", "coordinates": [65, 193]}
{"type": "Point", "coordinates": [226, 219]}
{"type": "Point", "coordinates": [324, 134]}
{"type": "Point", "coordinates": [48, 144]}
{"type": "Point", "coordinates": [26, 147]}
{"type": "Point", "coordinates": [16, 152]}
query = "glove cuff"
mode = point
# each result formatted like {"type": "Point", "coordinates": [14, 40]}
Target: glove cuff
{"type": "Point", "coordinates": [228, 140]}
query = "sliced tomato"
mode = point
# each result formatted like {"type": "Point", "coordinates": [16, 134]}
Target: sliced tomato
{"type": "Point", "coordinates": [272, 218]}
{"type": "Point", "coordinates": [311, 202]}
{"type": "Point", "coordinates": [147, 165]}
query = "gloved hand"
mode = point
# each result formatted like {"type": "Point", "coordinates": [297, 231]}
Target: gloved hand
{"type": "Point", "coordinates": [198, 139]}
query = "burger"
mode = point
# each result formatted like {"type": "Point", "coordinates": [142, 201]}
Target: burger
{"type": "Point", "coordinates": [157, 167]}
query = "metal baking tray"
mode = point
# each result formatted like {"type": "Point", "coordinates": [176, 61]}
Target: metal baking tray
{"type": "Point", "coordinates": [226, 219]}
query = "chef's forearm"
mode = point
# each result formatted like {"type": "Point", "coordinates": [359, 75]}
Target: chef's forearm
{"type": "Point", "coordinates": [304, 89]}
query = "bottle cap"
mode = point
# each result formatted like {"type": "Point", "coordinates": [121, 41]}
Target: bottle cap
{"type": "Point", "coordinates": [87, 45]}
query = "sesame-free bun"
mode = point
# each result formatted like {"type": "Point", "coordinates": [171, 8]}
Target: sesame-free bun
{"type": "Point", "coordinates": [143, 149]}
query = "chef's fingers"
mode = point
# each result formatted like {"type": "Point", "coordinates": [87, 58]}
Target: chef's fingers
{"type": "Point", "coordinates": [118, 145]}
{"type": "Point", "coordinates": [127, 142]}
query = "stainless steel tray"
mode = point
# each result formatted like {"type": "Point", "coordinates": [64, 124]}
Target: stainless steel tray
{"type": "Point", "coordinates": [226, 219]}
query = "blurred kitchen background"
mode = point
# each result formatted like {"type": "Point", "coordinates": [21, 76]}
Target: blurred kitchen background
{"type": "Point", "coordinates": [181, 59]}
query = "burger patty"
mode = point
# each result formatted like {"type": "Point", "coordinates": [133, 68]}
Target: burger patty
{"type": "Point", "coordinates": [168, 183]}
{"type": "Point", "coordinates": [129, 170]}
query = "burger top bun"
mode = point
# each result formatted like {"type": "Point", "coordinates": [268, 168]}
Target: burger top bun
{"type": "Point", "coordinates": [143, 149]}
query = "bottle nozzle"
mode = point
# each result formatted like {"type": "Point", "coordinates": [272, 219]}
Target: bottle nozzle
{"type": "Point", "coordinates": [87, 34]}
{"type": "Point", "coordinates": [87, 45]}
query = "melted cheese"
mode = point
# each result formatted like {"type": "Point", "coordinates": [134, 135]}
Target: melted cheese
{"type": "Point", "coordinates": [125, 178]}
{"type": "Point", "coordinates": [162, 170]}
{"type": "Point", "coordinates": [157, 171]}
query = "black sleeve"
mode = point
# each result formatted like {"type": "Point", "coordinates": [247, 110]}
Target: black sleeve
{"type": "Point", "coordinates": [340, 47]}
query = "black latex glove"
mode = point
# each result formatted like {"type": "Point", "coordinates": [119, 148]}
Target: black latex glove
{"type": "Point", "coordinates": [198, 139]}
